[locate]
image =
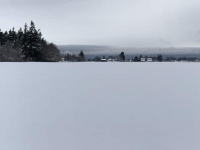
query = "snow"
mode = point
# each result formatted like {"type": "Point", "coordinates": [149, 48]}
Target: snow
{"type": "Point", "coordinates": [100, 106]}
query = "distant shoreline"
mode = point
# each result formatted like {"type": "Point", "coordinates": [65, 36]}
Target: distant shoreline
{"type": "Point", "coordinates": [97, 50]}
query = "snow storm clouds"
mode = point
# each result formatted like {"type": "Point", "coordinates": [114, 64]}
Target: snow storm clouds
{"type": "Point", "coordinates": [135, 23]}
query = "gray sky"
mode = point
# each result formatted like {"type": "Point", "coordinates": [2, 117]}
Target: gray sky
{"type": "Point", "coordinates": [129, 23]}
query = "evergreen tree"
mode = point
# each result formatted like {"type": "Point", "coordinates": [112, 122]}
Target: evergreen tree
{"type": "Point", "coordinates": [68, 57]}
{"type": "Point", "coordinates": [97, 58]}
{"type": "Point", "coordinates": [53, 53]}
{"type": "Point", "coordinates": [136, 59]}
{"type": "Point", "coordinates": [159, 58]}
{"type": "Point", "coordinates": [31, 44]}
{"type": "Point", "coordinates": [24, 43]}
{"type": "Point", "coordinates": [44, 47]}
{"type": "Point", "coordinates": [74, 58]}
{"type": "Point", "coordinates": [12, 36]}
{"type": "Point", "coordinates": [1, 38]}
{"type": "Point", "coordinates": [34, 44]}
{"type": "Point", "coordinates": [19, 35]}
{"type": "Point", "coordinates": [121, 56]}
{"type": "Point", "coordinates": [81, 56]}
{"type": "Point", "coordinates": [5, 37]}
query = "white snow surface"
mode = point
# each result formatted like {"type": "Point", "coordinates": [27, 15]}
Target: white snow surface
{"type": "Point", "coordinates": [100, 106]}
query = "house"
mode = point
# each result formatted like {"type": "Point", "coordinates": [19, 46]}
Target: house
{"type": "Point", "coordinates": [112, 59]}
{"type": "Point", "coordinates": [149, 59]}
{"type": "Point", "coordinates": [142, 59]}
{"type": "Point", "coordinates": [146, 59]}
{"type": "Point", "coordinates": [103, 60]}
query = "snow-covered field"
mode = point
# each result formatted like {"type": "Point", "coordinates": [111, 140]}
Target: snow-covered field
{"type": "Point", "coordinates": [99, 106]}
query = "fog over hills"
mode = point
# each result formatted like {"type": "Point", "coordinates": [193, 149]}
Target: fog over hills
{"type": "Point", "coordinates": [91, 50]}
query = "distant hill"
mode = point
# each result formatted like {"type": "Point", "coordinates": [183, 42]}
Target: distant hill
{"type": "Point", "coordinates": [92, 50]}
{"type": "Point", "coordinates": [75, 49]}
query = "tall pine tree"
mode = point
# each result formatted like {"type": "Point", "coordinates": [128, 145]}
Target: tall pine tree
{"type": "Point", "coordinates": [81, 56]}
{"type": "Point", "coordinates": [34, 44]}
{"type": "Point", "coordinates": [24, 43]}
{"type": "Point", "coordinates": [1, 38]}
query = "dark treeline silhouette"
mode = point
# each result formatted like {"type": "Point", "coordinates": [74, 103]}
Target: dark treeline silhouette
{"type": "Point", "coordinates": [27, 45]}
{"type": "Point", "coordinates": [74, 58]}
{"type": "Point", "coordinates": [121, 58]}
{"type": "Point", "coordinates": [81, 57]}
{"type": "Point", "coordinates": [186, 59]}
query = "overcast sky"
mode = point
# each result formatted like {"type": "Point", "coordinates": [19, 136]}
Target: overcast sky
{"type": "Point", "coordinates": [129, 23]}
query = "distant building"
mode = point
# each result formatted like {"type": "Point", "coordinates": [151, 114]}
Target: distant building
{"type": "Point", "coordinates": [112, 59]}
{"type": "Point", "coordinates": [103, 60]}
{"type": "Point", "coordinates": [149, 59]}
{"type": "Point", "coordinates": [146, 59]}
{"type": "Point", "coordinates": [142, 59]}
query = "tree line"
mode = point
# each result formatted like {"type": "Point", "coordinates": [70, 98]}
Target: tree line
{"type": "Point", "coordinates": [74, 58]}
{"type": "Point", "coordinates": [27, 45]}
{"type": "Point", "coordinates": [121, 57]}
